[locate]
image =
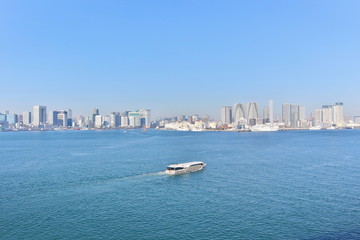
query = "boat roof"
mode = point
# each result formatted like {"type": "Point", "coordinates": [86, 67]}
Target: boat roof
{"type": "Point", "coordinates": [188, 164]}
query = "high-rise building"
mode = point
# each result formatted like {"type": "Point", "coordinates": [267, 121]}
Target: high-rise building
{"type": "Point", "coordinates": [252, 113]}
{"type": "Point", "coordinates": [98, 121]}
{"type": "Point", "coordinates": [271, 111]}
{"type": "Point", "coordinates": [226, 115]}
{"type": "Point", "coordinates": [239, 112]}
{"type": "Point", "coordinates": [145, 117]}
{"type": "Point", "coordinates": [266, 115]}
{"type": "Point", "coordinates": [338, 113]}
{"type": "Point", "coordinates": [39, 115]}
{"type": "Point", "coordinates": [286, 114]}
{"type": "Point", "coordinates": [294, 115]}
{"type": "Point", "coordinates": [53, 119]}
{"type": "Point", "coordinates": [62, 118]}
{"type": "Point", "coordinates": [302, 116]}
{"type": "Point", "coordinates": [11, 118]}
{"type": "Point", "coordinates": [124, 121]}
{"type": "Point", "coordinates": [27, 118]}
{"type": "Point", "coordinates": [327, 114]}
{"type": "Point", "coordinates": [134, 119]}
{"type": "Point", "coordinates": [115, 119]}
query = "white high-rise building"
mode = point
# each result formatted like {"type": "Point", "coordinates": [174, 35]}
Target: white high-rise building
{"type": "Point", "coordinates": [134, 121]}
{"type": "Point", "coordinates": [39, 115]}
{"type": "Point", "coordinates": [226, 115]}
{"type": "Point", "coordinates": [98, 121]}
{"type": "Point", "coordinates": [124, 121]}
{"type": "Point", "coordinates": [338, 112]}
{"type": "Point", "coordinates": [239, 112]}
{"type": "Point", "coordinates": [327, 114]}
{"type": "Point", "coordinates": [27, 118]}
{"type": "Point", "coordinates": [271, 111]}
{"type": "Point", "coordinates": [145, 114]}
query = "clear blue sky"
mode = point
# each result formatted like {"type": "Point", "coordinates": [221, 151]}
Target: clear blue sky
{"type": "Point", "coordinates": [178, 57]}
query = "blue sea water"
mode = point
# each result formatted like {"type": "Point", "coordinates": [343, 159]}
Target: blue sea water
{"type": "Point", "coordinates": [110, 185]}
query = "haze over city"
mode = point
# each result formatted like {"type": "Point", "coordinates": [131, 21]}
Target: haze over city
{"type": "Point", "coordinates": [178, 57]}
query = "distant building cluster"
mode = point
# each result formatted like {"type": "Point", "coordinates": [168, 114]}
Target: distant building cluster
{"type": "Point", "coordinates": [39, 118]}
{"type": "Point", "coordinates": [247, 116]}
{"type": "Point", "coordinates": [239, 117]}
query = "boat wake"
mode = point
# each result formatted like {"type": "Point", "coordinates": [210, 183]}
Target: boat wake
{"type": "Point", "coordinates": [137, 176]}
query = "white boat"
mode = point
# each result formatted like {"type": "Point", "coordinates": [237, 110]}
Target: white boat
{"type": "Point", "coordinates": [315, 128]}
{"type": "Point", "coordinates": [188, 167]}
{"type": "Point", "coordinates": [264, 128]}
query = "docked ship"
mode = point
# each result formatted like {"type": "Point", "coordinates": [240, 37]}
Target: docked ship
{"type": "Point", "coordinates": [188, 167]}
{"type": "Point", "coordinates": [264, 128]}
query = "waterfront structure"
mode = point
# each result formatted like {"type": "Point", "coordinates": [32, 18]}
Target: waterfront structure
{"type": "Point", "coordinates": [27, 118]}
{"type": "Point", "coordinates": [39, 115]}
{"type": "Point", "coordinates": [252, 113]}
{"type": "Point", "coordinates": [239, 112]}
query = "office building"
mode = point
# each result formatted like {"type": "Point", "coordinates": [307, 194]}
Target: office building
{"type": "Point", "coordinates": [266, 115]}
{"type": "Point", "coordinates": [271, 111]}
{"type": "Point", "coordinates": [338, 113]}
{"type": "Point", "coordinates": [39, 115]}
{"type": "Point", "coordinates": [98, 123]}
{"type": "Point", "coordinates": [239, 112]}
{"type": "Point", "coordinates": [27, 118]}
{"type": "Point", "coordinates": [286, 114]}
{"type": "Point", "coordinates": [226, 115]}
{"type": "Point", "coordinates": [252, 113]}
{"type": "Point", "coordinates": [327, 114]}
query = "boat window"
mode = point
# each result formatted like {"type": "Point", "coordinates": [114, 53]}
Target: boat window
{"type": "Point", "coordinates": [198, 164]}
{"type": "Point", "coordinates": [170, 168]}
{"type": "Point", "coordinates": [179, 168]}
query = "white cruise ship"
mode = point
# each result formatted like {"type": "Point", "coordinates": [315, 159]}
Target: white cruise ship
{"type": "Point", "coordinates": [181, 168]}
{"type": "Point", "coordinates": [264, 128]}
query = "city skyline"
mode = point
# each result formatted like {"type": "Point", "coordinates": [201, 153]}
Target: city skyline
{"type": "Point", "coordinates": [178, 58]}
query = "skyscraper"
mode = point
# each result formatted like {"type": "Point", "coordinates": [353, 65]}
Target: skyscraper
{"type": "Point", "coordinates": [252, 113]}
{"type": "Point", "coordinates": [286, 114]}
{"type": "Point", "coordinates": [239, 112]}
{"type": "Point", "coordinates": [226, 115]}
{"type": "Point", "coordinates": [266, 117]}
{"type": "Point", "coordinates": [39, 115]}
{"type": "Point", "coordinates": [294, 115]}
{"type": "Point", "coordinates": [271, 111]}
{"type": "Point", "coordinates": [338, 113]}
{"type": "Point", "coordinates": [327, 114]}
{"type": "Point", "coordinates": [27, 118]}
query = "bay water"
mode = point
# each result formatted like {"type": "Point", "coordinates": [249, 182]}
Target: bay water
{"type": "Point", "coordinates": [111, 185]}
